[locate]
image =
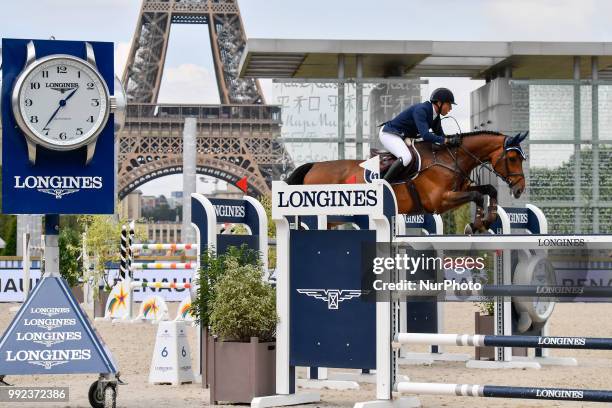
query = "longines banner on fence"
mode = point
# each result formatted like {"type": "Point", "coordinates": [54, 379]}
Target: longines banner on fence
{"type": "Point", "coordinates": [57, 133]}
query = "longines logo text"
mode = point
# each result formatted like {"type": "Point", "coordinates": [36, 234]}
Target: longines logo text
{"type": "Point", "coordinates": [563, 242]}
{"type": "Point", "coordinates": [518, 218]}
{"type": "Point", "coordinates": [48, 338]}
{"type": "Point", "coordinates": [346, 198]}
{"type": "Point", "coordinates": [229, 211]}
{"type": "Point", "coordinates": [572, 341]}
{"type": "Point", "coordinates": [49, 311]}
{"type": "Point", "coordinates": [58, 186]}
{"type": "Point", "coordinates": [47, 358]}
{"type": "Point", "coordinates": [560, 394]}
{"type": "Point", "coordinates": [62, 85]}
{"type": "Point", "coordinates": [415, 219]}
{"type": "Point", "coordinates": [545, 290]}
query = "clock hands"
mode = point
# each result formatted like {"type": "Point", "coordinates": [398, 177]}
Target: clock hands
{"type": "Point", "coordinates": [71, 93]}
{"type": "Point", "coordinates": [54, 113]}
{"type": "Point", "coordinates": [62, 103]}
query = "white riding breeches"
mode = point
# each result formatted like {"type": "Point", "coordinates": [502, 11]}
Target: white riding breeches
{"type": "Point", "coordinates": [396, 145]}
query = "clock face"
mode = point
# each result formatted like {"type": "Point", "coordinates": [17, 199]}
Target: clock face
{"type": "Point", "coordinates": [62, 102]}
{"type": "Point", "coordinates": [543, 275]}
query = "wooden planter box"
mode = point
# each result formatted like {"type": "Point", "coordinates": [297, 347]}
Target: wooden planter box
{"type": "Point", "coordinates": [77, 292]}
{"type": "Point", "coordinates": [484, 324]}
{"type": "Point", "coordinates": [100, 303]}
{"type": "Point", "coordinates": [239, 372]}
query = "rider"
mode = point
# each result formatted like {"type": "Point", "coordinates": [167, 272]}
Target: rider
{"type": "Point", "coordinates": [414, 122]}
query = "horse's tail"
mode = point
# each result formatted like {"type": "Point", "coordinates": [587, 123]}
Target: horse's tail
{"type": "Point", "coordinates": [297, 177]}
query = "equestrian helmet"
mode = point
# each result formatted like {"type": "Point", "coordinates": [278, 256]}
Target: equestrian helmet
{"type": "Point", "coordinates": [442, 95]}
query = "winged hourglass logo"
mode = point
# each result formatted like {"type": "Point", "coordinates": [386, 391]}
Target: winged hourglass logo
{"type": "Point", "coordinates": [333, 297]}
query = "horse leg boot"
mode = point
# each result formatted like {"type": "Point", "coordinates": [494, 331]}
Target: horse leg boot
{"type": "Point", "coordinates": [478, 224]}
{"type": "Point", "coordinates": [491, 213]}
{"type": "Point", "coordinates": [489, 190]}
{"type": "Point", "coordinates": [394, 170]}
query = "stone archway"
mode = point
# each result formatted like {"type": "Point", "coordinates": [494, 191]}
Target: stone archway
{"type": "Point", "coordinates": [144, 168]}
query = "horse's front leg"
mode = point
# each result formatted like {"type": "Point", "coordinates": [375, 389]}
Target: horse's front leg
{"type": "Point", "coordinates": [489, 190]}
{"type": "Point", "coordinates": [453, 199]}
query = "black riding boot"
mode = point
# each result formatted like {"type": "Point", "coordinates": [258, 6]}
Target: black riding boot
{"type": "Point", "coordinates": [394, 170]}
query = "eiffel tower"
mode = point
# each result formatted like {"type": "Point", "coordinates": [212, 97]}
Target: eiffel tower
{"type": "Point", "coordinates": [234, 140]}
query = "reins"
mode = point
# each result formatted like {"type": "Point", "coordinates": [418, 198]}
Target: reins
{"type": "Point", "coordinates": [480, 164]}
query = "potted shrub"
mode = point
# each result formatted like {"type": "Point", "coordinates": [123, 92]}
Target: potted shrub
{"type": "Point", "coordinates": [241, 354]}
{"type": "Point", "coordinates": [212, 268]}
{"type": "Point", "coordinates": [484, 323]}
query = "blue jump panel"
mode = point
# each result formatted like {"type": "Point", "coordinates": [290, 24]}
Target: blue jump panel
{"type": "Point", "coordinates": [330, 326]}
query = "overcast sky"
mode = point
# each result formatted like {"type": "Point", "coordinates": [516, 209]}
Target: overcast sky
{"type": "Point", "coordinates": [188, 76]}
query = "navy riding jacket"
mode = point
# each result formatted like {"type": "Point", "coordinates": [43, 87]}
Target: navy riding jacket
{"type": "Point", "coordinates": [415, 122]}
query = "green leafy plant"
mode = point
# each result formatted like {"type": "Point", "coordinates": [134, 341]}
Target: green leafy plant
{"type": "Point", "coordinates": [102, 239]}
{"type": "Point", "coordinates": [69, 255]}
{"type": "Point", "coordinates": [486, 308]}
{"type": "Point", "coordinates": [8, 232]}
{"type": "Point", "coordinates": [212, 268]}
{"type": "Point", "coordinates": [266, 202]}
{"type": "Point", "coordinates": [244, 306]}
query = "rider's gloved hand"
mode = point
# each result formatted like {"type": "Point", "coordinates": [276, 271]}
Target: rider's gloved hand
{"type": "Point", "coordinates": [452, 141]}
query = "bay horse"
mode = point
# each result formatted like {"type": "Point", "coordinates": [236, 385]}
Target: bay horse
{"type": "Point", "coordinates": [444, 180]}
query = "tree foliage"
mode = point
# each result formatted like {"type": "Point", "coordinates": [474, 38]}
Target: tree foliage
{"type": "Point", "coordinates": [8, 229]}
{"type": "Point", "coordinates": [103, 240]}
{"type": "Point", "coordinates": [266, 202]}
{"type": "Point", "coordinates": [8, 232]}
{"type": "Point", "coordinates": [69, 253]}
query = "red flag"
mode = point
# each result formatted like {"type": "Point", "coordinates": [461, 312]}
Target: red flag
{"type": "Point", "coordinates": [351, 180]}
{"type": "Point", "coordinates": [242, 184]}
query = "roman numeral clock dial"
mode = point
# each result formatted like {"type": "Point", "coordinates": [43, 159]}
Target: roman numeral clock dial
{"type": "Point", "coordinates": [61, 102]}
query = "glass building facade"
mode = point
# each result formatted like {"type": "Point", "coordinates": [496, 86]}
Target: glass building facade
{"type": "Point", "coordinates": [569, 151]}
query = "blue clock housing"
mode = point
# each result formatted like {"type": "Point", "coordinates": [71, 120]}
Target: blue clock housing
{"type": "Point", "coordinates": [59, 182]}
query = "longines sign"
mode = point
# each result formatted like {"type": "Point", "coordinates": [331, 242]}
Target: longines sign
{"type": "Point", "coordinates": [58, 186]}
{"type": "Point", "coordinates": [345, 199]}
{"type": "Point", "coordinates": [51, 335]}
{"type": "Point", "coordinates": [58, 182]}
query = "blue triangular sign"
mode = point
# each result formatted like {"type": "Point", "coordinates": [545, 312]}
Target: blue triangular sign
{"type": "Point", "coordinates": [52, 335]}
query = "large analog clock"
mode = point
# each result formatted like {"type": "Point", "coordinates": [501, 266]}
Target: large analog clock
{"type": "Point", "coordinates": [61, 102]}
{"type": "Point", "coordinates": [534, 311]}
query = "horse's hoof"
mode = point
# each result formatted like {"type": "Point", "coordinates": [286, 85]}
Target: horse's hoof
{"type": "Point", "coordinates": [469, 229]}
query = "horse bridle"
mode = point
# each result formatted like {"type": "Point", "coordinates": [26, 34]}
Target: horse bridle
{"type": "Point", "coordinates": [460, 172]}
{"type": "Point", "coordinates": [492, 169]}
{"type": "Point", "coordinates": [506, 178]}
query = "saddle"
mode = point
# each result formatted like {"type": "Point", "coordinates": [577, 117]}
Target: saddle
{"type": "Point", "coordinates": [387, 159]}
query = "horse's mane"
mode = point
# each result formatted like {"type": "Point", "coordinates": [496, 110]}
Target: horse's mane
{"type": "Point", "coordinates": [480, 132]}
